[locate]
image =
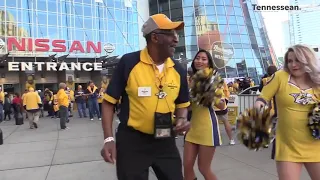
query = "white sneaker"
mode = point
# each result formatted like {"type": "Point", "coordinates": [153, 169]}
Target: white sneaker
{"type": "Point", "coordinates": [67, 128]}
{"type": "Point", "coordinates": [99, 119]}
{"type": "Point", "coordinates": [91, 119]}
{"type": "Point", "coordinates": [232, 142]}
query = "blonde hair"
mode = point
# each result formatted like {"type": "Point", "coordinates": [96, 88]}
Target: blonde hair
{"type": "Point", "coordinates": [308, 58]}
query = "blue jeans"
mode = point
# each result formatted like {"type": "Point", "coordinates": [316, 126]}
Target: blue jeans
{"type": "Point", "coordinates": [82, 109]}
{"type": "Point", "coordinates": [93, 108]}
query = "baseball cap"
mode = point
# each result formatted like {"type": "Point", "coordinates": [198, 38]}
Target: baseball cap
{"type": "Point", "coordinates": [160, 21]}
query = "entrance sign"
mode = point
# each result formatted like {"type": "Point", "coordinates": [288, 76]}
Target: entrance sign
{"type": "Point", "coordinates": [53, 66]}
{"type": "Point", "coordinates": [45, 45]}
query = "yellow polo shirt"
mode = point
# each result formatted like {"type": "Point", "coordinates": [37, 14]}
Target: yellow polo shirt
{"type": "Point", "coordinates": [136, 73]}
{"type": "Point", "coordinates": [63, 99]}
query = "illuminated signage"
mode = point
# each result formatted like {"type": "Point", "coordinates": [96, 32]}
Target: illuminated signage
{"type": "Point", "coordinates": [46, 45]}
{"type": "Point", "coordinates": [53, 66]}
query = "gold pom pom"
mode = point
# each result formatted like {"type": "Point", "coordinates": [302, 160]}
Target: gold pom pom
{"type": "Point", "coordinates": [204, 85]}
{"type": "Point", "coordinates": [314, 122]}
{"type": "Point", "coordinates": [255, 128]}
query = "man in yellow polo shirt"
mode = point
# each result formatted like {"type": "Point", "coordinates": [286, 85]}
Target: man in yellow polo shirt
{"type": "Point", "coordinates": [63, 103]}
{"type": "Point", "coordinates": [152, 87]}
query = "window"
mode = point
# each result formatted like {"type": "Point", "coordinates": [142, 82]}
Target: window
{"type": "Point", "coordinates": [42, 31]}
{"type": "Point", "coordinates": [235, 38]}
{"type": "Point", "coordinates": [228, 2]}
{"type": "Point", "coordinates": [238, 45]}
{"type": "Point", "coordinates": [226, 38]}
{"type": "Point", "coordinates": [210, 10]}
{"type": "Point", "coordinates": [240, 20]}
{"type": "Point", "coordinates": [41, 17]}
{"type": "Point", "coordinates": [111, 26]}
{"type": "Point", "coordinates": [191, 40]}
{"type": "Point", "coordinates": [190, 30]}
{"type": "Point", "coordinates": [257, 63]}
{"type": "Point", "coordinates": [153, 8]}
{"type": "Point", "coordinates": [209, 2]}
{"type": "Point", "coordinates": [86, 1]}
{"type": "Point", "coordinates": [118, 15]}
{"type": "Point", "coordinates": [135, 17]}
{"type": "Point", "coordinates": [231, 63]}
{"type": "Point", "coordinates": [187, 3]}
{"type": "Point", "coordinates": [250, 63]}
{"type": "Point", "coordinates": [176, 15]}
{"type": "Point", "coordinates": [223, 28]}
{"type": "Point", "coordinates": [11, 3]}
{"type": "Point", "coordinates": [222, 20]}
{"type": "Point", "coordinates": [243, 30]}
{"type": "Point", "coordinates": [52, 6]}
{"type": "Point", "coordinates": [87, 23]}
{"type": "Point", "coordinates": [218, 2]}
{"type": "Point", "coordinates": [163, 5]}
{"type": "Point", "coordinates": [78, 9]}
{"type": "Point", "coordinates": [53, 19]}
{"type": "Point", "coordinates": [234, 29]}
{"type": "Point", "coordinates": [188, 11]}
{"type": "Point", "coordinates": [232, 20]}
{"type": "Point", "coordinates": [230, 10]}
{"type": "Point", "coordinates": [220, 10]}
{"type": "Point", "coordinates": [118, 4]}
{"type": "Point", "coordinates": [247, 53]}
{"type": "Point", "coordinates": [238, 11]}
{"type": "Point", "coordinates": [231, 69]}
{"type": "Point", "coordinates": [119, 37]}
{"type": "Point", "coordinates": [188, 21]}
{"type": "Point", "coordinates": [79, 35]}
{"type": "Point", "coordinates": [238, 53]}
{"type": "Point", "coordinates": [245, 39]}
{"type": "Point", "coordinates": [14, 13]}
{"type": "Point", "coordinates": [87, 11]}
{"type": "Point", "coordinates": [136, 39]}
{"type": "Point", "coordinates": [212, 19]}
{"type": "Point", "coordinates": [110, 3]}
{"type": "Point", "coordinates": [111, 37]}
{"type": "Point", "coordinates": [236, 3]}
{"type": "Point", "coordinates": [41, 5]}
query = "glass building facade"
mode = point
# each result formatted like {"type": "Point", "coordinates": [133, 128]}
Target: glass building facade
{"type": "Point", "coordinates": [230, 29]}
{"type": "Point", "coordinates": [105, 21]}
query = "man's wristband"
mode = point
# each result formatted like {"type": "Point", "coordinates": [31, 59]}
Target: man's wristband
{"type": "Point", "coordinates": [108, 139]}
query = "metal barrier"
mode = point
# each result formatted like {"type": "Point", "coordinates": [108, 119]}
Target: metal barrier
{"type": "Point", "coordinates": [246, 101]}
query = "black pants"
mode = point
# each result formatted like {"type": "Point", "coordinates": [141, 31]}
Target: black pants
{"type": "Point", "coordinates": [63, 113]}
{"type": "Point", "coordinates": [136, 152]}
{"type": "Point", "coordinates": [100, 108]}
{"type": "Point", "coordinates": [7, 113]}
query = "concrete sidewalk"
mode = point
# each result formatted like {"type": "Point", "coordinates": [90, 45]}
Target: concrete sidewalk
{"type": "Point", "coordinates": [48, 153]}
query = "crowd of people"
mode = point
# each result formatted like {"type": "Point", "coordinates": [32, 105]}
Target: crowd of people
{"type": "Point", "coordinates": [58, 104]}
